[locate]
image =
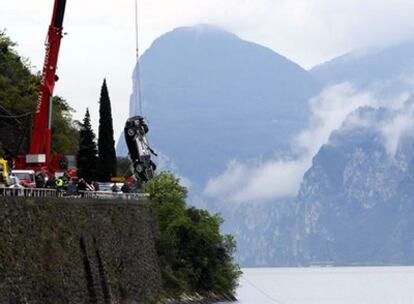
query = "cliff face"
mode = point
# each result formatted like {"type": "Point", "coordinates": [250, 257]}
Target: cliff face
{"type": "Point", "coordinates": [355, 203]}
{"type": "Point", "coordinates": [62, 251]}
{"type": "Point", "coordinates": [354, 207]}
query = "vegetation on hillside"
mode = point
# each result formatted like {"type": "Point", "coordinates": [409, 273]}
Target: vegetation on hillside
{"type": "Point", "coordinates": [65, 131]}
{"type": "Point", "coordinates": [18, 98]}
{"type": "Point", "coordinates": [194, 256]}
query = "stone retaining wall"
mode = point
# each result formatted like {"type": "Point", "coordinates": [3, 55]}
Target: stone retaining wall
{"type": "Point", "coordinates": [77, 251]}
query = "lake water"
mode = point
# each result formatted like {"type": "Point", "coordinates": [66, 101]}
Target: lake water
{"type": "Point", "coordinates": [330, 285]}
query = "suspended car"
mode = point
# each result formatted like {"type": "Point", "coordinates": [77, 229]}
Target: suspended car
{"type": "Point", "coordinates": [139, 150]}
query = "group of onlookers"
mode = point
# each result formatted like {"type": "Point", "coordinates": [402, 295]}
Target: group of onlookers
{"type": "Point", "coordinates": [70, 186]}
{"type": "Point", "coordinates": [79, 186]}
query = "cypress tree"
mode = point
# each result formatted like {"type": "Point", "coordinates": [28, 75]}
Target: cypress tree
{"type": "Point", "coordinates": [106, 142]}
{"type": "Point", "coordinates": [88, 154]}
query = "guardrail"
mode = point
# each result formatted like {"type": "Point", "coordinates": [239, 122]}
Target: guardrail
{"type": "Point", "coordinates": [31, 192]}
{"type": "Point", "coordinates": [112, 195]}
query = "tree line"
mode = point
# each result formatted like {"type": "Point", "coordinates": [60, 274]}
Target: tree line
{"type": "Point", "coordinates": [18, 97]}
{"type": "Point", "coordinates": [98, 161]}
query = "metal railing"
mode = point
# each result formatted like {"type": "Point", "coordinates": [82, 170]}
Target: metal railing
{"type": "Point", "coordinates": [30, 192]}
{"type": "Point", "coordinates": [112, 195]}
{"type": "Point", "coordinates": [34, 192]}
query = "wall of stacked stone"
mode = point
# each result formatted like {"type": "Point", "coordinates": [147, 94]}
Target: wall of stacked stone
{"type": "Point", "coordinates": [77, 251]}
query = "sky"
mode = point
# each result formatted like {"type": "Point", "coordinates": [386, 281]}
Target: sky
{"type": "Point", "coordinates": [101, 40]}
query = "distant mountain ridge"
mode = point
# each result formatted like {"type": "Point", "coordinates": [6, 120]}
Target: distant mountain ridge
{"type": "Point", "coordinates": [210, 97]}
{"type": "Point", "coordinates": [355, 204]}
{"type": "Point", "coordinates": [383, 69]}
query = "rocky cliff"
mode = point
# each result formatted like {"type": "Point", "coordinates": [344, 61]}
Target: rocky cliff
{"type": "Point", "coordinates": [355, 205]}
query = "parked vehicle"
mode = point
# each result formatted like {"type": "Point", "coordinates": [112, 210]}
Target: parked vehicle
{"type": "Point", "coordinates": [110, 187]}
{"type": "Point", "coordinates": [27, 177]}
{"type": "Point", "coordinates": [15, 183]}
{"type": "Point", "coordinates": [105, 187]}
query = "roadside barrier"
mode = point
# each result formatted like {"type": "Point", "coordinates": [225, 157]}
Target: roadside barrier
{"type": "Point", "coordinates": [112, 195]}
{"type": "Point", "coordinates": [32, 192]}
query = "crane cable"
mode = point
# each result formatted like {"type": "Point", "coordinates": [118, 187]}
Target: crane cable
{"type": "Point", "coordinates": [267, 295]}
{"type": "Point", "coordinates": [137, 71]}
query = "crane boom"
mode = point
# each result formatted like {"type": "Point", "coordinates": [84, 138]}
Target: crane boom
{"type": "Point", "coordinates": [39, 151]}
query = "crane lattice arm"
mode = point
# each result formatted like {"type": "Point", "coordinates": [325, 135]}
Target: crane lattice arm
{"type": "Point", "coordinates": [41, 134]}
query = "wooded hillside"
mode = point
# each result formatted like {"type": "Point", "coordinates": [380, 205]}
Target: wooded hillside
{"type": "Point", "coordinates": [18, 98]}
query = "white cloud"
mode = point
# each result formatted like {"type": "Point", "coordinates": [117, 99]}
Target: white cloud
{"type": "Point", "coordinates": [329, 111]}
{"type": "Point", "coordinates": [264, 181]}
{"type": "Point", "coordinates": [256, 181]}
{"type": "Point", "coordinates": [401, 124]}
{"type": "Point", "coordinates": [252, 182]}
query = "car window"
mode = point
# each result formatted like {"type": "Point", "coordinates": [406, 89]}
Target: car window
{"type": "Point", "coordinates": [26, 176]}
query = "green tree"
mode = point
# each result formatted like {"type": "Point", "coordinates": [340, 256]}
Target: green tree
{"type": "Point", "coordinates": [106, 143]}
{"type": "Point", "coordinates": [88, 154]}
{"type": "Point", "coordinates": [18, 86]}
{"type": "Point", "coordinates": [195, 257]}
{"type": "Point", "coordinates": [18, 98]}
{"type": "Point", "coordinates": [65, 131]}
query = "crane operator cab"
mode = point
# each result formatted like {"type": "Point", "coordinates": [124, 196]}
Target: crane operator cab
{"type": "Point", "coordinates": [139, 150]}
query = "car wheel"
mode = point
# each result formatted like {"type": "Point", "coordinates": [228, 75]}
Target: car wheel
{"type": "Point", "coordinates": [131, 132]}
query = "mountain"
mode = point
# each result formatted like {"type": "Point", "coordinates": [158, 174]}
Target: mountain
{"type": "Point", "coordinates": [211, 97]}
{"type": "Point", "coordinates": [354, 207]}
{"type": "Point", "coordinates": [355, 203]}
{"type": "Point", "coordinates": [383, 69]}
{"type": "Point", "coordinates": [265, 232]}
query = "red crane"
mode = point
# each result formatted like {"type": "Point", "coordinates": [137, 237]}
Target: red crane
{"type": "Point", "coordinates": [39, 158]}
{"type": "Point", "coordinates": [41, 134]}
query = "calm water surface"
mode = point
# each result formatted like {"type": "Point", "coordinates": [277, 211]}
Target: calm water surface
{"type": "Point", "coordinates": [365, 285]}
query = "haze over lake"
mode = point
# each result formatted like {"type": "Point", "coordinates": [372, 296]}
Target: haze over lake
{"type": "Point", "coordinates": [330, 285]}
